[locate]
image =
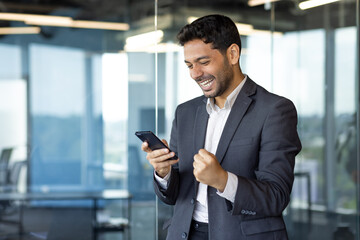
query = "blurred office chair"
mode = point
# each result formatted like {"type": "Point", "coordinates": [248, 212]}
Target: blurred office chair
{"type": "Point", "coordinates": [10, 172]}
{"type": "Point", "coordinates": [11, 185]}
{"type": "Point", "coordinates": [17, 176]}
{"type": "Point", "coordinates": [11, 209]}
{"type": "Point", "coordinates": [4, 165]}
{"type": "Point", "coordinates": [4, 174]}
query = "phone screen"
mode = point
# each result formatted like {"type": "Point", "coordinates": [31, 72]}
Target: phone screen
{"type": "Point", "coordinates": [153, 141]}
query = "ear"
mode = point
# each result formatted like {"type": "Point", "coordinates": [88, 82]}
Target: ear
{"type": "Point", "coordinates": [233, 53]}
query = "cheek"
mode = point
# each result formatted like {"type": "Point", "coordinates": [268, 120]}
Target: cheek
{"type": "Point", "coordinates": [218, 70]}
{"type": "Point", "coordinates": [214, 72]}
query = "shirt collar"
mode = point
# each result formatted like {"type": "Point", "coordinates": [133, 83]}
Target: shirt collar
{"type": "Point", "coordinates": [230, 100]}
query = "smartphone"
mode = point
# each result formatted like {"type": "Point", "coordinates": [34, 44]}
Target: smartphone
{"type": "Point", "coordinates": [153, 141]}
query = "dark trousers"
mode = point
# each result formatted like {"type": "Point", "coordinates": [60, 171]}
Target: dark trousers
{"type": "Point", "coordinates": [199, 231]}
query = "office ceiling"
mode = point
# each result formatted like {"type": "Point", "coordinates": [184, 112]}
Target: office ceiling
{"type": "Point", "coordinates": [130, 10]}
{"type": "Point", "coordinates": [139, 14]}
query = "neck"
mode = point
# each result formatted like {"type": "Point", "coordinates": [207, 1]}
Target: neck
{"type": "Point", "coordinates": [220, 100]}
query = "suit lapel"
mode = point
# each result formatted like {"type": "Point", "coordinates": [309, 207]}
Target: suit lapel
{"type": "Point", "coordinates": [200, 126]}
{"type": "Point", "coordinates": [201, 121]}
{"type": "Point", "coordinates": [238, 111]}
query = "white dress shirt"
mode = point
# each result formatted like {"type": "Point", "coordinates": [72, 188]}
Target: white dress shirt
{"type": "Point", "coordinates": [216, 123]}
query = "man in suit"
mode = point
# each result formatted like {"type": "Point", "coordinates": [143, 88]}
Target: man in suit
{"type": "Point", "coordinates": [236, 146]}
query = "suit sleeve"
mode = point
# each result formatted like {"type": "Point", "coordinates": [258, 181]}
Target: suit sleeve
{"type": "Point", "coordinates": [269, 193]}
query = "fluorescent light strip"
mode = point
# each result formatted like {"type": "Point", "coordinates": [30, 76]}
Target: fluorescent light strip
{"type": "Point", "coordinates": [191, 19]}
{"type": "Point", "coordinates": [262, 32]}
{"type": "Point", "coordinates": [145, 39]}
{"type": "Point", "coordinates": [35, 18]}
{"type": "Point", "coordinates": [244, 27]}
{"type": "Point", "coordinates": [19, 30]}
{"type": "Point", "coordinates": [159, 48]}
{"type": "Point", "coordinates": [314, 3]}
{"type": "Point", "coordinates": [100, 25]}
{"type": "Point", "coordinates": [59, 21]}
{"type": "Point", "coordinates": [49, 22]}
{"type": "Point", "coordinates": [253, 3]}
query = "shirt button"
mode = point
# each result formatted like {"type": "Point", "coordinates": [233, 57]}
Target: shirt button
{"type": "Point", "coordinates": [192, 201]}
{"type": "Point", "coordinates": [196, 225]}
{"type": "Point", "coordinates": [183, 235]}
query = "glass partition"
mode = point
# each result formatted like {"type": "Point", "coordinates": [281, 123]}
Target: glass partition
{"type": "Point", "coordinates": [308, 56]}
{"type": "Point", "coordinates": [71, 100]}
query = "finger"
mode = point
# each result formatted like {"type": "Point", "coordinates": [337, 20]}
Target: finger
{"type": "Point", "coordinates": [198, 158]}
{"type": "Point", "coordinates": [198, 162]}
{"type": "Point", "coordinates": [197, 174]}
{"type": "Point", "coordinates": [172, 162]}
{"type": "Point", "coordinates": [161, 151]}
{"type": "Point", "coordinates": [206, 155]}
{"type": "Point", "coordinates": [145, 147]}
{"type": "Point", "coordinates": [160, 155]}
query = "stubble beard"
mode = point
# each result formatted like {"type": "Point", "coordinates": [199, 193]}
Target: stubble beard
{"type": "Point", "coordinates": [223, 81]}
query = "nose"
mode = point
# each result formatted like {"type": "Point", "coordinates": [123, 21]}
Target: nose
{"type": "Point", "coordinates": [196, 72]}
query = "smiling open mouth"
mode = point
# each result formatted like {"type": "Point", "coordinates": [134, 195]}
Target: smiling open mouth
{"type": "Point", "coordinates": [207, 83]}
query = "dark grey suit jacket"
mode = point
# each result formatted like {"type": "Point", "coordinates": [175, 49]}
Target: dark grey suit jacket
{"type": "Point", "coordinates": [258, 144]}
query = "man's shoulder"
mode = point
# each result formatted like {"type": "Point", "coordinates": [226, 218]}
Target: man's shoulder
{"type": "Point", "coordinates": [253, 87]}
{"type": "Point", "coordinates": [266, 97]}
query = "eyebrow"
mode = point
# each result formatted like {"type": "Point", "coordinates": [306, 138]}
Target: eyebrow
{"type": "Point", "coordinates": [198, 59]}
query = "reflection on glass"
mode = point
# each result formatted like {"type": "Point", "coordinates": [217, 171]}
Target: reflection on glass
{"type": "Point", "coordinates": [57, 100]}
{"type": "Point", "coordinates": [347, 175]}
{"type": "Point", "coordinates": [115, 117]}
{"type": "Point", "coordinates": [299, 75]}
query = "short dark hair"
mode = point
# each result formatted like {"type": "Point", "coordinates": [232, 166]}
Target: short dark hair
{"type": "Point", "coordinates": [216, 29]}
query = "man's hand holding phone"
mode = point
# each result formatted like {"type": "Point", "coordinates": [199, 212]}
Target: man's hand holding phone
{"type": "Point", "coordinates": [159, 158]}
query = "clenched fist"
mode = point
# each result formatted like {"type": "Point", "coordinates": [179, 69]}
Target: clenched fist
{"type": "Point", "coordinates": [207, 170]}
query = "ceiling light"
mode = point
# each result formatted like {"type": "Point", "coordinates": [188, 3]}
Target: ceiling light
{"type": "Point", "coordinates": [19, 30]}
{"type": "Point", "coordinates": [143, 40]}
{"type": "Point", "coordinates": [264, 32]}
{"type": "Point", "coordinates": [314, 3]}
{"type": "Point", "coordinates": [38, 19]}
{"type": "Point", "coordinates": [101, 25]}
{"type": "Point", "coordinates": [244, 29]}
{"type": "Point", "coordinates": [253, 3]}
{"type": "Point", "coordinates": [191, 19]}
{"type": "Point", "coordinates": [158, 48]}
{"type": "Point", "coordinates": [60, 21]}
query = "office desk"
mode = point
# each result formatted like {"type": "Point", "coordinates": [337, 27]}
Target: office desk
{"type": "Point", "coordinates": [116, 225]}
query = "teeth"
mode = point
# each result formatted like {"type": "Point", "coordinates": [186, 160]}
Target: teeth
{"type": "Point", "coordinates": [206, 83]}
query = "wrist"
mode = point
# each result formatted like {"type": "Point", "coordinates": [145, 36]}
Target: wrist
{"type": "Point", "coordinates": [222, 181]}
